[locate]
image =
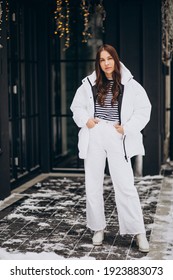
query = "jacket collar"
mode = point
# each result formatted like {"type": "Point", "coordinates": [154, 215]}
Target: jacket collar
{"type": "Point", "coordinates": [91, 77]}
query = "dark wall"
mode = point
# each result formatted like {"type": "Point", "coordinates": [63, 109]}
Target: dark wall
{"type": "Point", "coordinates": [134, 29]}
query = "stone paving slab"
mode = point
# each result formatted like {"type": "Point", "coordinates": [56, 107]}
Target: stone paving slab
{"type": "Point", "coordinates": [49, 217]}
{"type": "Point", "coordinates": [162, 233]}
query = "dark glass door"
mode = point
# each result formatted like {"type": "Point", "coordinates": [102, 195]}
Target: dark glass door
{"type": "Point", "coordinates": [23, 90]}
{"type": "Point", "coordinates": [67, 69]}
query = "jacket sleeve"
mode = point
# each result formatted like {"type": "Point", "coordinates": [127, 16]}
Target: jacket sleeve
{"type": "Point", "coordinates": [79, 108]}
{"type": "Point", "coordinates": [141, 111]}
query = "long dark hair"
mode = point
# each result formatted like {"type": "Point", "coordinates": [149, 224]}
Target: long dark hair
{"type": "Point", "coordinates": [102, 82]}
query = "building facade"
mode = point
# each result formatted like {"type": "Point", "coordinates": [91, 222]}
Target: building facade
{"type": "Point", "coordinates": [38, 79]}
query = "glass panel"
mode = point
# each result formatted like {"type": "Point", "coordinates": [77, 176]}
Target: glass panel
{"type": "Point", "coordinates": [34, 142]}
{"type": "Point", "coordinates": [65, 85]}
{"type": "Point", "coordinates": [21, 34]}
{"type": "Point", "coordinates": [65, 151]}
{"type": "Point", "coordinates": [35, 88]}
{"type": "Point", "coordinates": [55, 88]}
{"type": "Point", "coordinates": [11, 150]}
{"type": "Point", "coordinates": [24, 144]}
{"type": "Point", "coordinates": [22, 89]}
{"type": "Point", "coordinates": [85, 69]}
{"type": "Point", "coordinates": [56, 137]}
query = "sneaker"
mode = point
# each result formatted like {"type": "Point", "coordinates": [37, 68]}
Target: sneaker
{"type": "Point", "coordinates": [142, 243]}
{"type": "Point", "coordinates": [98, 237]}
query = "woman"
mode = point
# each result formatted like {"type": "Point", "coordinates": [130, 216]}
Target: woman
{"type": "Point", "coordinates": [111, 109]}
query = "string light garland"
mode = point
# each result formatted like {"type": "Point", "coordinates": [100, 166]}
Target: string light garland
{"type": "Point", "coordinates": [85, 11]}
{"type": "Point", "coordinates": [59, 19]}
{"type": "Point", "coordinates": [88, 11]}
{"type": "Point", "coordinates": [7, 18]}
{"type": "Point", "coordinates": [62, 20]}
{"type": "Point", "coordinates": [67, 25]}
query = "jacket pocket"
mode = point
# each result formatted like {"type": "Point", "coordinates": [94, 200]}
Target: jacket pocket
{"type": "Point", "coordinates": [133, 144]}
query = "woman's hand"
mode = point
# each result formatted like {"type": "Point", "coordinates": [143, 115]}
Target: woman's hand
{"type": "Point", "coordinates": [119, 128]}
{"type": "Point", "coordinates": [92, 122]}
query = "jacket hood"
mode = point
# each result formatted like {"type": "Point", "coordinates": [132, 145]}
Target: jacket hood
{"type": "Point", "coordinates": [125, 75]}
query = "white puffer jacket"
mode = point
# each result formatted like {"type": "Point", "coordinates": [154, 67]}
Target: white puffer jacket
{"type": "Point", "coordinates": [135, 113]}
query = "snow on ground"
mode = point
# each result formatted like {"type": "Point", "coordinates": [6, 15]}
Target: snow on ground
{"type": "Point", "coordinates": [4, 255]}
{"type": "Point", "coordinates": [49, 223]}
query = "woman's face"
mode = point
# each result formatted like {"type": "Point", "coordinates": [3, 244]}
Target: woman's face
{"type": "Point", "coordinates": [107, 63]}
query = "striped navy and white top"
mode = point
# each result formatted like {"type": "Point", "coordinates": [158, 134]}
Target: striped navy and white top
{"type": "Point", "coordinates": [107, 112]}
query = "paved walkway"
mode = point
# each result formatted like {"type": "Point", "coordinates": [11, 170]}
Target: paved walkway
{"type": "Point", "coordinates": [45, 219]}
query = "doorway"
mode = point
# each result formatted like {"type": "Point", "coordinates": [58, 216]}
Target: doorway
{"type": "Point", "coordinates": [23, 91]}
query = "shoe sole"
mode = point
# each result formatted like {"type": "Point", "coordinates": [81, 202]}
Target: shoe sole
{"type": "Point", "coordinates": [97, 244]}
{"type": "Point", "coordinates": [142, 250]}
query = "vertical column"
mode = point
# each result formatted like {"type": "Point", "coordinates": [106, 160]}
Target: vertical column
{"type": "Point", "coordinates": [4, 133]}
{"type": "Point", "coordinates": [43, 85]}
{"type": "Point", "coordinates": [152, 81]}
{"type": "Point", "coordinates": [167, 111]}
{"type": "Point", "coordinates": [171, 116]}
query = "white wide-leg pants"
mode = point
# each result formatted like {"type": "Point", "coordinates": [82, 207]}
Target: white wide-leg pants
{"type": "Point", "coordinates": [104, 142]}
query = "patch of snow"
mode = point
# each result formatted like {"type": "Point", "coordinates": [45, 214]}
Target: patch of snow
{"type": "Point", "coordinates": [43, 225]}
{"type": "Point", "coordinates": [12, 241]}
{"type": "Point", "coordinates": [31, 207]}
{"type": "Point", "coordinates": [20, 216]}
{"type": "Point", "coordinates": [154, 177]}
{"type": "Point", "coordinates": [16, 255]}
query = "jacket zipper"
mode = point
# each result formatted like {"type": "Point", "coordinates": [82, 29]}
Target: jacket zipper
{"type": "Point", "coordinates": [93, 89]}
{"type": "Point", "coordinates": [119, 111]}
{"type": "Point", "coordinates": [124, 147]}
